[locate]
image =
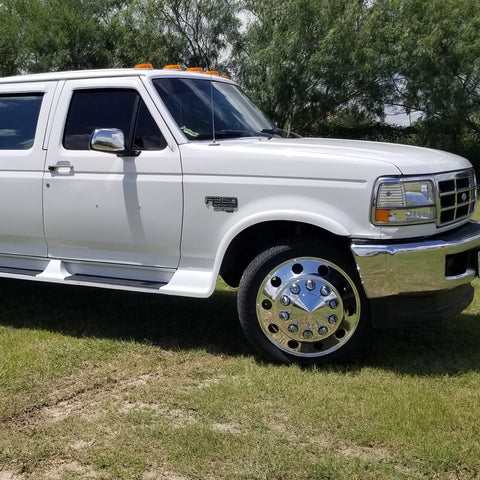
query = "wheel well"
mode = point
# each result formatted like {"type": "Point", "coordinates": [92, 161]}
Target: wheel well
{"type": "Point", "coordinates": [253, 240]}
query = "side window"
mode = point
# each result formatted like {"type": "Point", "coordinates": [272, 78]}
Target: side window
{"type": "Point", "coordinates": [147, 135]}
{"type": "Point", "coordinates": [18, 120]}
{"type": "Point", "coordinates": [111, 108]}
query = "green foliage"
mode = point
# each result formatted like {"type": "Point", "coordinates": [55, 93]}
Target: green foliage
{"type": "Point", "coordinates": [57, 35]}
{"type": "Point", "coordinates": [45, 35]}
{"type": "Point", "coordinates": [304, 61]}
{"type": "Point", "coordinates": [431, 53]}
{"type": "Point", "coordinates": [10, 25]}
{"type": "Point", "coordinates": [307, 62]}
{"type": "Point", "coordinates": [192, 33]}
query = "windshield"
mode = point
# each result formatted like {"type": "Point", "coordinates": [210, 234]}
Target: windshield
{"type": "Point", "coordinates": [190, 101]}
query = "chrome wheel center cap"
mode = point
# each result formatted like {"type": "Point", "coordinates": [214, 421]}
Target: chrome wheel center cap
{"type": "Point", "coordinates": [308, 307]}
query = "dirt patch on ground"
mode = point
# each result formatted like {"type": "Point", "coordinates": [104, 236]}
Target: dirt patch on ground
{"type": "Point", "coordinates": [151, 475]}
{"type": "Point", "coordinates": [74, 401]}
{"type": "Point", "coordinates": [73, 468]}
{"type": "Point", "coordinates": [9, 475]}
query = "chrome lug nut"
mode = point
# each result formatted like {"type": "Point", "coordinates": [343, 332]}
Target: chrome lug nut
{"type": "Point", "coordinates": [295, 289]}
{"type": "Point", "coordinates": [284, 316]}
{"type": "Point", "coordinates": [322, 331]}
{"type": "Point", "coordinates": [284, 300]}
{"type": "Point", "coordinates": [310, 285]}
{"type": "Point", "coordinates": [307, 334]}
{"type": "Point", "coordinates": [333, 319]}
{"type": "Point", "coordinates": [325, 291]}
{"type": "Point", "coordinates": [292, 328]}
{"type": "Point", "coordinates": [333, 303]}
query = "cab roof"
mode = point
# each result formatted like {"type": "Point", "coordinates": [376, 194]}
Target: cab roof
{"type": "Point", "coordinates": [106, 73]}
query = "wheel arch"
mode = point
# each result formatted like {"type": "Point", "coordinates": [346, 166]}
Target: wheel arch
{"type": "Point", "coordinates": [250, 241]}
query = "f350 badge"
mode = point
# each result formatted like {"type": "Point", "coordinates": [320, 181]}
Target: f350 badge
{"type": "Point", "coordinates": [222, 204]}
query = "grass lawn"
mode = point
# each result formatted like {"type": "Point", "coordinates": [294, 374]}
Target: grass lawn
{"type": "Point", "coordinates": [101, 384]}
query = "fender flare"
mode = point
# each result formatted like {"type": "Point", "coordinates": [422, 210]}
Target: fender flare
{"type": "Point", "coordinates": [294, 216]}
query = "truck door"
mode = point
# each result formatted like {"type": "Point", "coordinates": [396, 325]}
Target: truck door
{"type": "Point", "coordinates": [100, 207]}
{"type": "Point", "coordinates": [24, 109]}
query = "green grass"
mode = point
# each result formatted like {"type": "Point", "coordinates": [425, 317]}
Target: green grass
{"type": "Point", "coordinates": [112, 385]}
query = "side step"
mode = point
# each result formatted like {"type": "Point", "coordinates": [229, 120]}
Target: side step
{"type": "Point", "coordinates": [185, 282]}
{"type": "Point", "coordinates": [19, 271]}
{"type": "Point", "coordinates": [56, 271]}
{"type": "Point", "coordinates": [126, 282]}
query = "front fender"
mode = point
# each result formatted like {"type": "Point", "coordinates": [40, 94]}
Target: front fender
{"type": "Point", "coordinates": [337, 206]}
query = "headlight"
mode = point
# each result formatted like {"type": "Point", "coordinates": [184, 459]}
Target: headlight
{"type": "Point", "coordinates": [404, 201]}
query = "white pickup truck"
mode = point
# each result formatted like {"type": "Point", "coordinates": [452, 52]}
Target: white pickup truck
{"type": "Point", "coordinates": [162, 180]}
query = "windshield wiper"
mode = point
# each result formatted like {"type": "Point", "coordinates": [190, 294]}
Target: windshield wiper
{"type": "Point", "coordinates": [280, 132]}
{"type": "Point", "coordinates": [233, 133]}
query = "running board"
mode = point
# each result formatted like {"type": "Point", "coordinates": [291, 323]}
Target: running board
{"type": "Point", "coordinates": [57, 271]}
{"type": "Point", "coordinates": [185, 282]}
{"type": "Point", "coordinates": [126, 282]}
{"type": "Point", "coordinates": [24, 272]}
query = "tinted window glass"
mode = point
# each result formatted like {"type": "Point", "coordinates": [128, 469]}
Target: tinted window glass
{"type": "Point", "coordinates": [147, 134]}
{"type": "Point", "coordinates": [191, 102]}
{"type": "Point", "coordinates": [111, 108]}
{"type": "Point", "coordinates": [18, 120]}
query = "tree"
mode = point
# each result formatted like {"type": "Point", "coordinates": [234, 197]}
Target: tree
{"type": "Point", "coordinates": [191, 33]}
{"type": "Point", "coordinates": [432, 53]}
{"type": "Point", "coordinates": [305, 61]}
{"type": "Point", "coordinates": [46, 35]}
{"type": "Point", "coordinates": [10, 38]}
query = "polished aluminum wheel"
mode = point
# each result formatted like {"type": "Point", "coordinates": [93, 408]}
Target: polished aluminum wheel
{"type": "Point", "coordinates": [308, 307]}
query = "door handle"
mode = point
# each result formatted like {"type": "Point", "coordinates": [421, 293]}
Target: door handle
{"type": "Point", "coordinates": [61, 168]}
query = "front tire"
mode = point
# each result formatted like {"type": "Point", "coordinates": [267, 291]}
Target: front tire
{"type": "Point", "coordinates": [303, 303]}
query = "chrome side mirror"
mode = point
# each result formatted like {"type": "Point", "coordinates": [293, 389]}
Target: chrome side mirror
{"type": "Point", "coordinates": [111, 140]}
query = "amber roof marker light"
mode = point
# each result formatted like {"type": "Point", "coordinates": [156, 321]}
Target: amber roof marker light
{"type": "Point", "coordinates": [179, 68]}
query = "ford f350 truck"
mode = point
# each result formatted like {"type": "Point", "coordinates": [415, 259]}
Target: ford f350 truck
{"type": "Point", "coordinates": [161, 180]}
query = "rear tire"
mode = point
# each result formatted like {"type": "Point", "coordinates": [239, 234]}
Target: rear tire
{"type": "Point", "coordinates": [303, 303]}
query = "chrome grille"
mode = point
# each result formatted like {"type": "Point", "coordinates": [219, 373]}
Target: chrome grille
{"type": "Point", "coordinates": [457, 194]}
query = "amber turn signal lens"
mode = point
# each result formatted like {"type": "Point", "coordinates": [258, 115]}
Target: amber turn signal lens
{"type": "Point", "coordinates": [382, 215]}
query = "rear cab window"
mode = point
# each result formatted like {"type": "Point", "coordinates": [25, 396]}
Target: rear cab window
{"type": "Point", "coordinates": [18, 120]}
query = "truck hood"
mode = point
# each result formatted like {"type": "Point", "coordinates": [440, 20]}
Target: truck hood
{"type": "Point", "coordinates": [409, 160]}
{"type": "Point", "coordinates": [314, 158]}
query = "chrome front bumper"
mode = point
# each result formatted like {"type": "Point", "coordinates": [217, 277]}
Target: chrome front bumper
{"type": "Point", "coordinates": [421, 266]}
